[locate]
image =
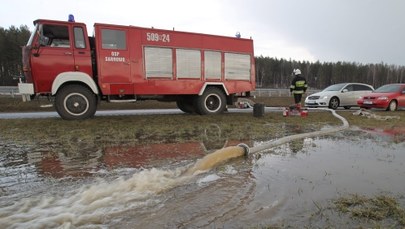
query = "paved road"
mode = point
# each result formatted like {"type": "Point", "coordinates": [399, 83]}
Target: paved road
{"type": "Point", "coordinates": [52, 114]}
{"type": "Point", "coordinates": [260, 92]}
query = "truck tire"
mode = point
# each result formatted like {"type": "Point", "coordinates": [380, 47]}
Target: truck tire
{"type": "Point", "coordinates": [186, 105]}
{"type": "Point", "coordinates": [212, 101]}
{"type": "Point", "coordinates": [74, 102]}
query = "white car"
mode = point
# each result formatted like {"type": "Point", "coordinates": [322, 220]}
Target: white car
{"type": "Point", "coordinates": [339, 95]}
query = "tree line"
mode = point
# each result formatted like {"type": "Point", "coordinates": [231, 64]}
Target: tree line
{"type": "Point", "coordinates": [11, 41]}
{"type": "Point", "coordinates": [277, 73]}
{"type": "Point", "coordinates": [270, 72]}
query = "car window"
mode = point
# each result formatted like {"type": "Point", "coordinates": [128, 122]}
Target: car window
{"type": "Point", "coordinates": [349, 87]}
{"type": "Point", "coordinates": [335, 87]}
{"type": "Point", "coordinates": [388, 88]}
{"type": "Point", "coordinates": [360, 87]}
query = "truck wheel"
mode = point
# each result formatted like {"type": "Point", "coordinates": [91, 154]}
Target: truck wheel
{"type": "Point", "coordinates": [186, 105]}
{"type": "Point", "coordinates": [75, 102]}
{"type": "Point", "coordinates": [212, 101]}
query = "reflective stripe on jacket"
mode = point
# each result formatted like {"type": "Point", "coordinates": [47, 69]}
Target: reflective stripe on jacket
{"type": "Point", "coordinates": [298, 85]}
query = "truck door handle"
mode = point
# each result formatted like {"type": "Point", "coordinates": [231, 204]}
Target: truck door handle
{"type": "Point", "coordinates": [68, 53]}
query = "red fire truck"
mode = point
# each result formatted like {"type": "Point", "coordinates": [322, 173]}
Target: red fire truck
{"type": "Point", "coordinates": [201, 73]}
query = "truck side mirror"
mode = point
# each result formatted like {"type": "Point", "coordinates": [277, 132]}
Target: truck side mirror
{"type": "Point", "coordinates": [43, 41]}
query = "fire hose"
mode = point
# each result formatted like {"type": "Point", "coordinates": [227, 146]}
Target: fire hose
{"type": "Point", "coordinates": [283, 140]}
{"type": "Point", "coordinates": [219, 156]}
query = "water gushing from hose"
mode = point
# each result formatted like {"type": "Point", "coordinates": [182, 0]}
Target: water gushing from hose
{"type": "Point", "coordinates": [212, 159]}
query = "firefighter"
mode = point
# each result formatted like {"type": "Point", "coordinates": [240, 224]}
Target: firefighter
{"type": "Point", "coordinates": [298, 87]}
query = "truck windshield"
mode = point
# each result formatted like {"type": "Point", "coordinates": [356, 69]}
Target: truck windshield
{"type": "Point", "coordinates": [32, 35]}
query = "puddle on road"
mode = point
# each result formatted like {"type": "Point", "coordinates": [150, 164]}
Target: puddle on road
{"type": "Point", "coordinates": [133, 186]}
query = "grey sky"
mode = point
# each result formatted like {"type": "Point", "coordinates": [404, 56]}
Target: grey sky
{"type": "Point", "coordinates": [363, 31]}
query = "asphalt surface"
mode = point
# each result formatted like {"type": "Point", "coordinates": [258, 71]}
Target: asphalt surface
{"type": "Point", "coordinates": [53, 114]}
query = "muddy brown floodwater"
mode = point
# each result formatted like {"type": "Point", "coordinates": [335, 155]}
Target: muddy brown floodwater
{"type": "Point", "coordinates": [146, 186]}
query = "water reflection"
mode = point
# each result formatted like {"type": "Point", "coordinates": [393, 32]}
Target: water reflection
{"type": "Point", "coordinates": [297, 145]}
{"type": "Point", "coordinates": [80, 159]}
{"type": "Point", "coordinates": [213, 138]}
{"type": "Point", "coordinates": [24, 164]}
{"type": "Point", "coordinates": [394, 134]}
{"type": "Point", "coordinates": [98, 201]}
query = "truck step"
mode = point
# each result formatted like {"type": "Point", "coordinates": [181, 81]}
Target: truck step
{"type": "Point", "coordinates": [123, 100]}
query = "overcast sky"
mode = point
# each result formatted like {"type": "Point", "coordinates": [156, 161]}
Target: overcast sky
{"type": "Point", "coordinates": [362, 31]}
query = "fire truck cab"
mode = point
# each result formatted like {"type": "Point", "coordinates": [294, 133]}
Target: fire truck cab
{"type": "Point", "coordinates": [201, 73]}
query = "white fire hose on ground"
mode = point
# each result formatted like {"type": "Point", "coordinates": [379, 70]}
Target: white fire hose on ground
{"type": "Point", "coordinates": [283, 140]}
{"type": "Point", "coordinates": [224, 154]}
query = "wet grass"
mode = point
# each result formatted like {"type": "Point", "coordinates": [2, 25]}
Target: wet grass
{"type": "Point", "coordinates": [156, 128]}
{"type": "Point", "coordinates": [378, 208]}
{"type": "Point", "coordinates": [173, 128]}
{"type": "Point", "coordinates": [353, 211]}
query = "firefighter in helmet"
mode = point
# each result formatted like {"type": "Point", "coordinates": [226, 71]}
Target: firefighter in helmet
{"type": "Point", "coordinates": [298, 87]}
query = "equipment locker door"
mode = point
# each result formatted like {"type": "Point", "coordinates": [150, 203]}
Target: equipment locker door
{"type": "Point", "coordinates": [114, 60]}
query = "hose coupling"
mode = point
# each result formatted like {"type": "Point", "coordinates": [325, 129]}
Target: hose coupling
{"type": "Point", "coordinates": [245, 147]}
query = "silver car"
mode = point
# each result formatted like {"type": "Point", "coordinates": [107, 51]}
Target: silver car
{"type": "Point", "coordinates": [339, 95]}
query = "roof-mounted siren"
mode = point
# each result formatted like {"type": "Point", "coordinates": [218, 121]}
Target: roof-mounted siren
{"type": "Point", "coordinates": [71, 18]}
{"type": "Point", "coordinates": [237, 35]}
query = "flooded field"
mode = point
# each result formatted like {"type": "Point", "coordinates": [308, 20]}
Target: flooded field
{"type": "Point", "coordinates": [139, 185]}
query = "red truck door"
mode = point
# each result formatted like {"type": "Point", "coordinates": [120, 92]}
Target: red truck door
{"type": "Point", "coordinates": [114, 60]}
{"type": "Point", "coordinates": [54, 57]}
{"type": "Point", "coordinates": [82, 54]}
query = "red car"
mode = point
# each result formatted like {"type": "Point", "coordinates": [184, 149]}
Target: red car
{"type": "Point", "coordinates": [389, 97]}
